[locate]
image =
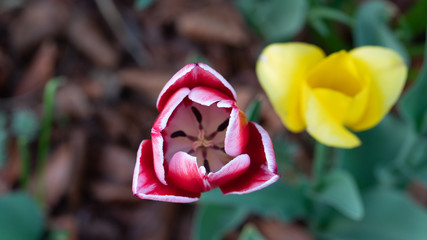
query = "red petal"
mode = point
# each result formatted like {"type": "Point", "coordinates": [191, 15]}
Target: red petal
{"type": "Point", "coordinates": [184, 173]}
{"type": "Point", "coordinates": [230, 171]}
{"type": "Point", "coordinates": [159, 125]}
{"type": "Point", "coordinates": [263, 169]}
{"type": "Point", "coordinates": [195, 75]}
{"type": "Point", "coordinates": [147, 186]}
{"type": "Point", "coordinates": [237, 134]}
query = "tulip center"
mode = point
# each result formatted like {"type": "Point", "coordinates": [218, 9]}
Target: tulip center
{"type": "Point", "coordinates": [202, 141]}
{"type": "Point", "coordinates": [339, 73]}
{"type": "Point", "coordinates": [199, 131]}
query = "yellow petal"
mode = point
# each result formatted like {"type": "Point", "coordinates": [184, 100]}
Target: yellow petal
{"type": "Point", "coordinates": [281, 69]}
{"type": "Point", "coordinates": [387, 73]}
{"type": "Point", "coordinates": [337, 72]}
{"type": "Point", "coordinates": [336, 104]}
{"type": "Point", "coordinates": [323, 121]}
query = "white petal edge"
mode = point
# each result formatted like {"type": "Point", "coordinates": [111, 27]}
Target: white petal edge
{"type": "Point", "coordinates": [186, 69]}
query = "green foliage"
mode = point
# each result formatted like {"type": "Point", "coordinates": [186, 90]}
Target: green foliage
{"type": "Point", "coordinates": [142, 4]}
{"type": "Point", "coordinates": [390, 215]}
{"type": "Point", "coordinates": [318, 15]}
{"type": "Point", "coordinates": [380, 147]}
{"type": "Point", "coordinates": [279, 200]}
{"type": "Point", "coordinates": [250, 232]}
{"type": "Point", "coordinates": [3, 139]}
{"type": "Point", "coordinates": [20, 218]}
{"type": "Point", "coordinates": [414, 104]}
{"type": "Point", "coordinates": [371, 27]}
{"type": "Point", "coordinates": [415, 17]}
{"type": "Point", "coordinates": [25, 124]}
{"type": "Point", "coordinates": [46, 125]}
{"type": "Point", "coordinates": [254, 111]}
{"type": "Point", "coordinates": [214, 221]}
{"type": "Point", "coordinates": [275, 20]}
{"type": "Point", "coordinates": [338, 190]}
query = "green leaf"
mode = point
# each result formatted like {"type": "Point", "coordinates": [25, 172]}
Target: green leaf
{"type": "Point", "coordinates": [414, 103]}
{"type": "Point", "coordinates": [278, 200]}
{"type": "Point", "coordinates": [3, 139]}
{"type": "Point", "coordinates": [390, 215]}
{"type": "Point", "coordinates": [317, 15]}
{"type": "Point", "coordinates": [371, 27]}
{"type": "Point", "coordinates": [25, 124]}
{"type": "Point", "coordinates": [250, 232]}
{"type": "Point", "coordinates": [414, 17]}
{"type": "Point", "coordinates": [275, 20]}
{"type": "Point", "coordinates": [20, 218]}
{"type": "Point", "coordinates": [142, 4]}
{"type": "Point", "coordinates": [339, 190]}
{"type": "Point", "coordinates": [380, 147]}
{"type": "Point", "coordinates": [214, 221]}
{"type": "Point", "coordinates": [253, 111]}
{"type": "Point", "coordinates": [46, 124]}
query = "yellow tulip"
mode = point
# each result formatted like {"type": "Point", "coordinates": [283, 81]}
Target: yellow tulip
{"type": "Point", "coordinates": [331, 95]}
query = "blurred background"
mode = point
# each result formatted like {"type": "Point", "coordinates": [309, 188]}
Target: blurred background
{"type": "Point", "coordinates": [78, 84]}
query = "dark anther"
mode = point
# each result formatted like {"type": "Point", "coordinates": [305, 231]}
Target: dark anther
{"type": "Point", "coordinates": [218, 148]}
{"type": "Point", "coordinates": [178, 134]}
{"type": "Point", "coordinates": [223, 126]}
{"type": "Point", "coordinates": [197, 114]}
{"type": "Point", "coordinates": [206, 165]}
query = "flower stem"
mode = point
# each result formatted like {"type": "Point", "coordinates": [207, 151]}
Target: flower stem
{"type": "Point", "coordinates": [321, 155]}
{"type": "Point", "coordinates": [25, 161]}
{"type": "Point", "coordinates": [44, 140]}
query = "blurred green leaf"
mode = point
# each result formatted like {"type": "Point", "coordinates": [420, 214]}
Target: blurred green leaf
{"type": "Point", "coordinates": [317, 15]}
{"type": "Point", "coordinates": [286, 151]}
{"type": "Point", "coordinates": [46, 124]}
{"type": "Point", "coordinates": [278, 200]}
{"type": "Point", "coordinates": [414, 103]}
{"type": "Point", "coordinates": [25, 124]}
{"type": "Point", "coordinates": [44, 138]}
{"type": "Point", "coordinates": [253, 111]}
{"type": "Point", "coordinates": [142, 4]}
{"type": "Point", "coordinates": [338, 190]}
{"type": "Point", "coordinates": [371, 27]}
{"type": "Point", "coordinates": [3, 139]}
{"type": "Point", "coordinates": [415, 17]}
{"type": "Point", "coordinates": [380, 147]}
{"type": "Point", "coordinates": [250, 232]}
{"type": "Point", "coordinates": [390, 215]}
{"type": "Point", "coordinates": [214, 221]}
{"type": "Point", "coordinates": [20, 217]}
{"type": "Point", "coordinates": [274, 20]}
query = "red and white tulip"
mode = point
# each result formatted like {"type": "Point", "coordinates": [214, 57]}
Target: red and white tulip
{"type": "Point", "coordinates": [202, 140]}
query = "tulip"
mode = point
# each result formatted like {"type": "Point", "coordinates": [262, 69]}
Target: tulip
{"type": "Point", "coordinates": [329, 96]}
{"type": "Point", "coordinates": [201, 140]}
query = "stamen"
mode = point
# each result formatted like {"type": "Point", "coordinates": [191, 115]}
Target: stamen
{"type": "Point", "coordinates": [197, 114]}
{"type": "Point", "coordinates": [206, 165]}
{"type": "Point", "coordinates": [178, 134]}
{"type": "Point", "coordinates": [223, 126]}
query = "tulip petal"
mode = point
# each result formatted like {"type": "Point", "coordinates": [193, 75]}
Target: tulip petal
{"type": "Point", "coordinates": [262, 170]}
{"type": "Point", "coordinates": [322, 124]}
{"type": "Point", "coordinates": [184, 173]}
{"type": "Point", "coordinates": [237, 134]}
{"type": "Point", "coordinates": [146, 184]}
{"type": "Point", "coordinates": [207, 96]}
{"type": "Point", "coordinates": [281, 69]}
{"type": "Point", "coordinates": [159, 125]}
{"type": "Point", "coordinates": [230, 171]}
{"type": "Point", "coordinates": [387, 72]}
{"type": "Point", "coordinates": [195, 75]}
